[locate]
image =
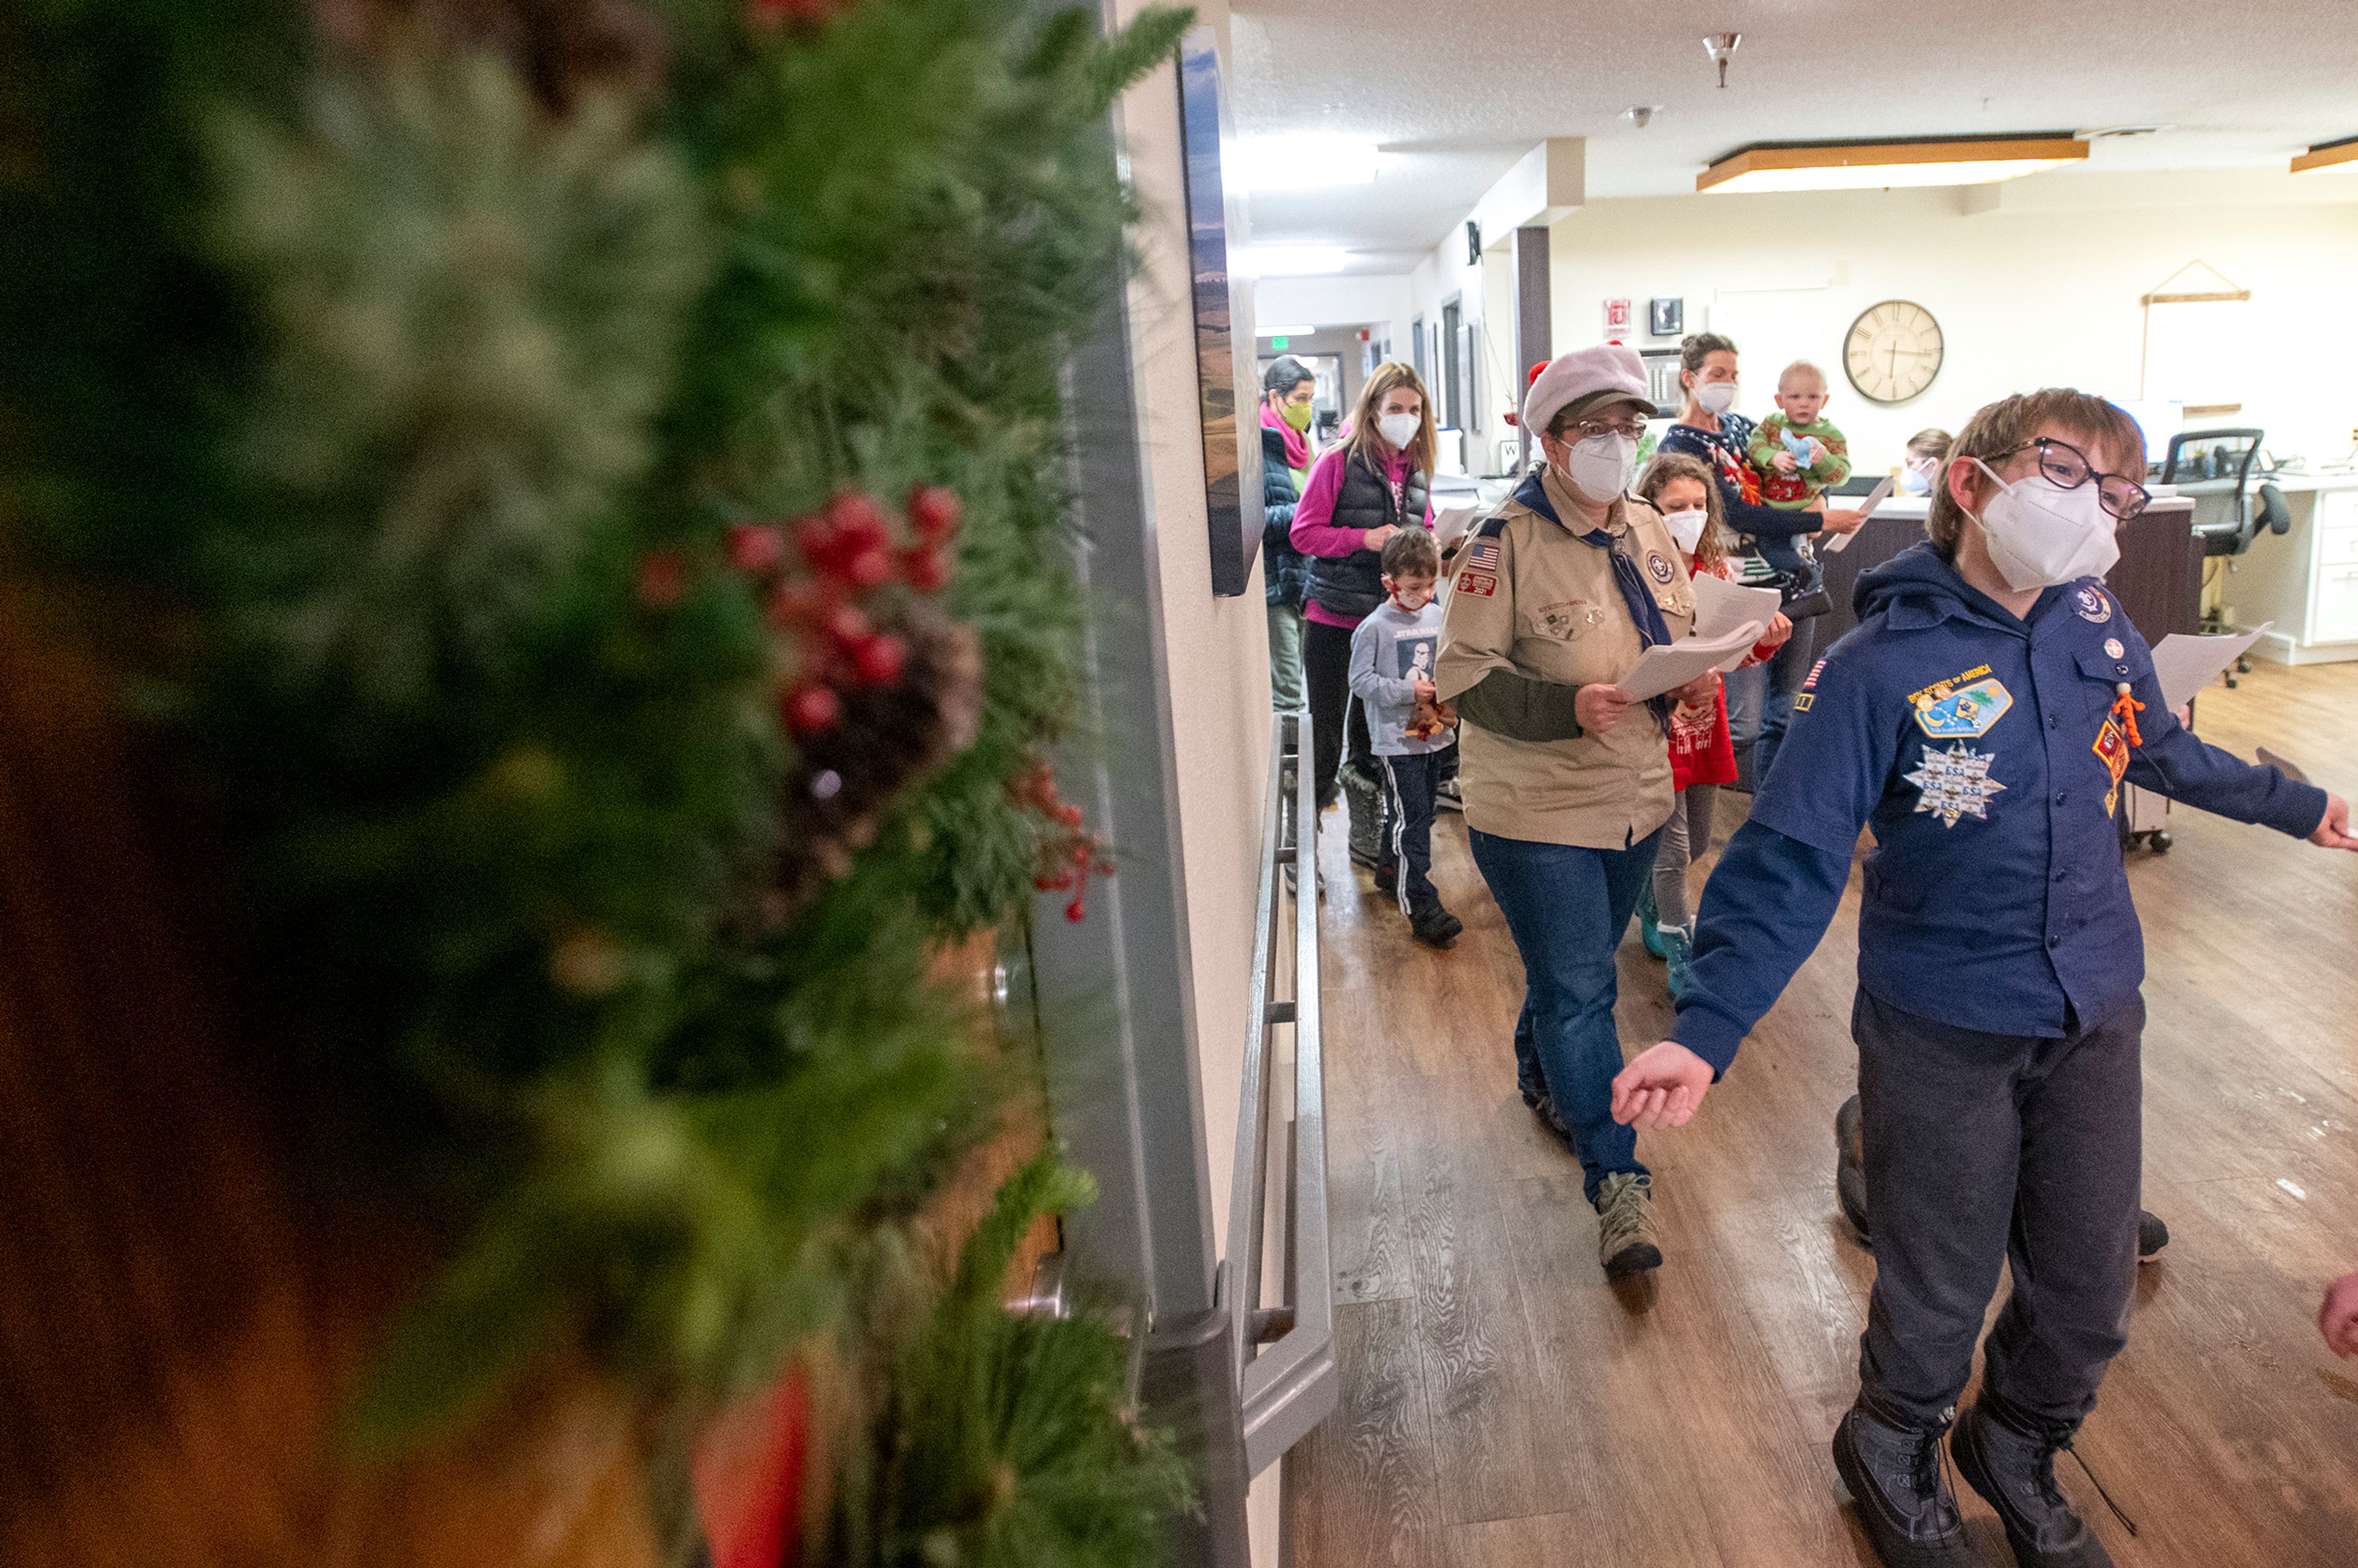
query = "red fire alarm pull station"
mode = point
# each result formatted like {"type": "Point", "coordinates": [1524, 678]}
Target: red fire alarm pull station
{"type": "Point", "coordinates": [1618, 315]}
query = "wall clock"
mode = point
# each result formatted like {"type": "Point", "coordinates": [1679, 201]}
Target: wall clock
{"type": "Point", "coordinates": [1893, 351]}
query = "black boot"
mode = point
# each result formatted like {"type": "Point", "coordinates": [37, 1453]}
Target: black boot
{"type": "Point", "coordinates": [2014, 1471]}
{"type": "Point", "coordinates": [1902, 1494]}
{"type": "Point", "coordinates": [1364, 799]}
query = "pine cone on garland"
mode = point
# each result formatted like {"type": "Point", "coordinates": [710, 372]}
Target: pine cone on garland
{"type": "Point", "coordinates": [885, 739]}
{"type": "Point", "coordinates": [565, 50]}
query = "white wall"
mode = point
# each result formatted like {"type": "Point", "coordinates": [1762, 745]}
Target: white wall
{"type": "Point", "coordinates": [1219, 712]}
{"type": "Point", "coordinates": [2043, 289]}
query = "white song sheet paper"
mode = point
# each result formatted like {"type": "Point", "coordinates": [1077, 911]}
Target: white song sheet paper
{"type": "Point", "coordinates": [1721, 606]}
{"type": "Point", "coordinates": [1841, 542]}
{"type": "Point", "coordinates": [2183, 666]}
{"type": "Point", "coordinates": [1674, 664]}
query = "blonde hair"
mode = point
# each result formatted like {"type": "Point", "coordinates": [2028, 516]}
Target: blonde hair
{"type": "Point", "coordinates": [2012, 423]}
{"type": "Point", "coordinates": [1388, 378]}
{"type": "Point", "coordinates": [1717, 542]}
{"type": "Point", "coordinates": [1802, 367]}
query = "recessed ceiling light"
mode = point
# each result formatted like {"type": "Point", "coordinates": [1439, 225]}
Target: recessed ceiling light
{"type": "Point", "coordinates": [2342, 155]}
{"type": "Point", "coordinates": [1287, 261]}
{"type": "Point", "coordinates": [1300, 163]}
{"type": "Point", "coordinates": [1859, 166]}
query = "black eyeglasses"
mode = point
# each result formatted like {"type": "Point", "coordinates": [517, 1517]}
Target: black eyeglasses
{"type": "Point", "coordinates": [2068, 467]}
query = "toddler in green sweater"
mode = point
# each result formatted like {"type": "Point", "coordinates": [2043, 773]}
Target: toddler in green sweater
{"type": "Point", "coordinates": [1801, 455]}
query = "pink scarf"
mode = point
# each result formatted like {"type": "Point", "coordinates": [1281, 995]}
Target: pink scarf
{"type": "Point", "coordinates": [1297, 445]}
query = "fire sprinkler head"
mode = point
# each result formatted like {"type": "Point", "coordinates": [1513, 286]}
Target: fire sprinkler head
{"type": "Point", "coordinates": [1719, 46]}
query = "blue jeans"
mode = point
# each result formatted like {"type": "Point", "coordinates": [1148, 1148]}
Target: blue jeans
{"type": "Point", "coordinates": [1567, 908]}
{"type": "Point", "coordinates": [1760, 705]}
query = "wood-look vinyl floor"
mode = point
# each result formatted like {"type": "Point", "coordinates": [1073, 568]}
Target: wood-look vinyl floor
{"type": "Point", "coordinates": [1504, 1405]}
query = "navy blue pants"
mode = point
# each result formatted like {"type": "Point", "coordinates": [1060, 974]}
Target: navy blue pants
{"type": "Point", "coordinates": [1983, 1148]}
{"type": "Point", "coordinates": [1412, 784]}
{"type": "Point", "coordinates": [1567, 908]}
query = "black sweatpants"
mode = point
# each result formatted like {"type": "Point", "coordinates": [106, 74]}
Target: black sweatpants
{"type": "Point", "coordinates": [1327, 675]}
{"type": "Point", "coordinates": [1983, 1148]}
{"type": "Point", "coordinates": [1412, 785]}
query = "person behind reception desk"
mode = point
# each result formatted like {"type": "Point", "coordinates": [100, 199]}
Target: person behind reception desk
{"type": "Point", "coordinates": [1981, 719]}
{"type": "Point", "coordinates": [1927, 449]}
{"type": "Point", "coordinates": [1772, 546]}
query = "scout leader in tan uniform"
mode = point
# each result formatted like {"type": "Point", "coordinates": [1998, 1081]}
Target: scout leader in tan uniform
{"type": "Point", "coordinates": [1566, 781]}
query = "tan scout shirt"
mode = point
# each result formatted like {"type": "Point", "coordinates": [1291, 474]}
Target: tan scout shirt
{"type": "Point", "coordinates": [1547, 608]}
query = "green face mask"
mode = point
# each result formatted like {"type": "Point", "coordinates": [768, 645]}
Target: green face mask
{"type": "Point", "coordinates": [1295, 413]}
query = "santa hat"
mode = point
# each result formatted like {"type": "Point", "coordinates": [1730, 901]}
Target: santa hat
{"type": "Point", "coordinates": [1585, 381]}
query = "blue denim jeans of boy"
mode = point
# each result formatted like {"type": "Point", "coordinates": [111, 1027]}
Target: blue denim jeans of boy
{"type": "Point", "coordinates": [1567, 908]}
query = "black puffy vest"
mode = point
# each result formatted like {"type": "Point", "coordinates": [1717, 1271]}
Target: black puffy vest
{"type": "Point", "coordinates": [1354, 584]}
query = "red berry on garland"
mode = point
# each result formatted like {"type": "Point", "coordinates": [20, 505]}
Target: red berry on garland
{"type": "Point", "coordinates": [755, 546]}
{"type": "Point", "coordinates": [1077, 910]}
{"type": "Point", "coordinates": [879, 660]}
{"type": "Point", "coordinates": [932, 512]}
{"type": "Point", "coordinates": [859, 522]}
{"type": "Point", "coordinates": [818, 540]}
{"type": "Point", "coordinates": [869, 568]}
{"type": "Point", "coordinates": [663, 578]}
{"type": "Point", "coordinates": [1068, 813]}
{"type": "Point", "coordinates": [923, 568]}
{"type": "Point", "coordinates": [848, 627]}
{"type": "Point", "coordinates": [800, 603]}
{"type": "Point", "coordinates": [810, 708]}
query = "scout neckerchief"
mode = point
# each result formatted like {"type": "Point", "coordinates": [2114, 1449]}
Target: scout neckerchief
{"type": "Point", "coordinates": [1652, 630]}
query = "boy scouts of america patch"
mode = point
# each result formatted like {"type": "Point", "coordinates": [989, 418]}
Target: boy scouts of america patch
{"type": "Point", "coordinates": [1479, 575]}
{"type": "Point", "coordinates": [1964, 715]}
{"type": "Point", "coordinates": [2112, 748]}
{"type": "Point", "coordinates": [1660, 567]}
{"type": "Point", "coordinates": [2092, 605]}
{"type": "Point", "coordinates": [1956, 783]}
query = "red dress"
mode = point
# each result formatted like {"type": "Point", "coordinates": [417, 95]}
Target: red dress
{"type": "Point", "coordinates": [1702, 747]}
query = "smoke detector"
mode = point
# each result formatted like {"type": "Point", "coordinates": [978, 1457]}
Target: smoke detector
{"type": "Point", "coordinates": [1641, 114]}
{"type": "Point", "coordinates": [1719, 47]}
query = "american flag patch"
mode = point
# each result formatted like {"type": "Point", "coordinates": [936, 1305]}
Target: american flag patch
{"type": "Point", "coordinates": [1814, 671]}
{"type": "Point", "coordinates": [1482, 556]}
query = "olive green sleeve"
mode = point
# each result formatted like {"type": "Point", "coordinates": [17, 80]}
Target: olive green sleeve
{"type": "Point", "coordinates": [1520, 707]}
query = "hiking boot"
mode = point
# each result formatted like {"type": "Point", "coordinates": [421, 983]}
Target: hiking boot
{"type": "Point", "coordinates": [1435, 927]}
{"type": "Point", "coordinates": [1902, 1495]}
{"type": "Point", "coordinates": [2014, 1471]}
{"type": "Point", "coordinates": [1625, 1223]}
{"type": "Point", "coordinates": [1678, 951]}
{"type": "Point", "coordinates": [1365, 800]}
{"type": "Point", "coordinates": [1850, 1169]}
{"type": "Point", "coordinates": [2152, 1236]}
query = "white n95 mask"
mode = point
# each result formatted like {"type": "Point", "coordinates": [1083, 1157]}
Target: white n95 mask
{"type": "Point", "coordinates": [2040, 534]}
{"type": "Point", "coordinates": [1399, 429]}
{"type": "Point", "coordinates": [1686, 528]}
{"type": "Point", "coordinates": [1600, 466]}
{"type": "Point", "coordinates": [1716, 396]}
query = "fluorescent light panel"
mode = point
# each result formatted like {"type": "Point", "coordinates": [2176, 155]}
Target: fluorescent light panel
{"type": "Point", "coordinates": [1284, 331]}
{"type": "Point", "coordinates": [2340, 155]}
{"type": "Point", "coordinates": [1300, 163]}
{"type": "Point", "coordinates": [1287, 261]}
{"type": "Point", "coordinates": [1862, 166]}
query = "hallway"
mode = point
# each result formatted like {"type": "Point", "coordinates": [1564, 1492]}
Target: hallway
{"type": "Point", "coordinates": [1503, 1404]}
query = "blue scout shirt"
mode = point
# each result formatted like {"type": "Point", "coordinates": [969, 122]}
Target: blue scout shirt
{"type": "Point", "coordinates": [1986, 753]}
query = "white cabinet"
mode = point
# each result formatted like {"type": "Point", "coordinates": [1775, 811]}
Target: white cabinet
{"type": "Point", "coordinates": [2307, 581]}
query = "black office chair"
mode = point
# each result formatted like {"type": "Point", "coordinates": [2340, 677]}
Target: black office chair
{"type": "Point", "coordinates": [2229, 455]}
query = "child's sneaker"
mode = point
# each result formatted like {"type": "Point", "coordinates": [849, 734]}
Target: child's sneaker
{"type": "Point", "coordinates": [1435, 927]}
{"type": "Point", "coordinates": [1678, 950]}
{"type": "Point", "coordinates": [1649, 930]}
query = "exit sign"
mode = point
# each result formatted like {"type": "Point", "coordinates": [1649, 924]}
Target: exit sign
{"type": "Point", "coordinates": [1280, 343]}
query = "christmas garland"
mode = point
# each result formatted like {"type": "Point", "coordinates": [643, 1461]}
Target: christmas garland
{"type": "Point", "coordinates": [576, 490]}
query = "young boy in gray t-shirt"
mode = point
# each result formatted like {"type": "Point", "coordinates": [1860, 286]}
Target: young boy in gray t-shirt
{"type": "Point", "coordinates": [1392, 657]}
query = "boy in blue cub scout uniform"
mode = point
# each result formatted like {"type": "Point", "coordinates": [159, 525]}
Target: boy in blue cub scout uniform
{"type": "Point", "coordinates": [1980, 720]}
